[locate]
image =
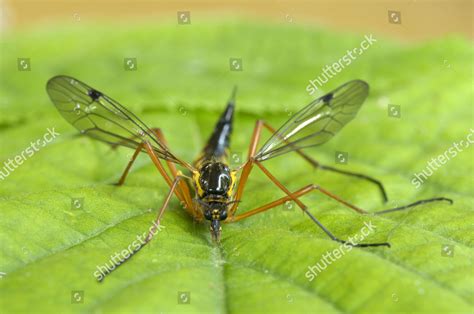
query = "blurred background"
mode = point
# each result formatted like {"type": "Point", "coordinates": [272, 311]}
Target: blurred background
{"type": "Point", "coordinates": [172, 64]}
{"type": "Point", "coordinates": [416, 19]}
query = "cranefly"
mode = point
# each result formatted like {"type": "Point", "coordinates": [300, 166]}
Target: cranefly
{"type": "Point", "coordinates": [217, 189]}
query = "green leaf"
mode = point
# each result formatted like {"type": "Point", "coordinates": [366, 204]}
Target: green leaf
{"type": "Point", "coordinates": [50, 248]}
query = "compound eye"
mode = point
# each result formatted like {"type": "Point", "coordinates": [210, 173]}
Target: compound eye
{"type": "Point", "coordinates": [208, 214]}
{"type": "Point", "coordinates": [223, 215]}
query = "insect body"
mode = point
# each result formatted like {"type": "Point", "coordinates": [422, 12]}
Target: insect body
{"type": "Point", "coordinates": [214, 180]}
{"type": "Point", "coordinates": [218, 189]}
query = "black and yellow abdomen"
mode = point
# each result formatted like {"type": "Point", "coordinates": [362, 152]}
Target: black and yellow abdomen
{"type": "Point", "coordinates": [218, 143]}
{"type": "Point", "coordinates": [214, 180]}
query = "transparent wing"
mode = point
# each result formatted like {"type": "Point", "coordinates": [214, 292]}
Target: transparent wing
{"type": "Point", "coordinates": [318, 122]}
{"type": "Point", "coordinates": [100, 117]}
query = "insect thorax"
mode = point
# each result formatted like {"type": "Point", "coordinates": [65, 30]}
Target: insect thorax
{"type": "Point", "coordinates": [214, 181]}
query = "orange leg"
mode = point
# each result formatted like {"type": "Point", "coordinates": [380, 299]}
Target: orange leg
{"type": "Point", "coordinates": [294, 196]}
{"type": "Point", "coordinates": [190, 208]}
{"type": "Point", "coordinates": [182, 192]}
{"type": "Point", "coordinates": [160, 137]}
{"type": "Point", "coordinates": [310, 188]}
{"type": "Point", "coordinates": [247, 167]}
{"type": "Point", "coordinates": [154, 227]}
{"type": "Point", "coordinates": [270, 205]}
{"type": "Point", "coordinates": [183, 187]}
{"type": "Point", "coordinates": [152, 155]}
{"type": "Point", "coordinates": [316, 164]}
{"type": "Point", "coordinates": [163, 208]}
{"type": "Point", "coordinates": [337, 198]}
{"type": "Point", "coordinates": [129, 165]}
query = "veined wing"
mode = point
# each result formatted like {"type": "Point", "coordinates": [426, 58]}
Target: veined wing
{"type": "Point", "coordinates": [318, 122]}
{"type": "Point", "coordinates": [100, 117]}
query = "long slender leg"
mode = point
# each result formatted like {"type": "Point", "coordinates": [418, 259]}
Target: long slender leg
{"type": "Point", "coordinates": [183, 193]}
{"type": "Point", "coordinates": [270, 205]}
{"type": "Point", "coordinates": [129, 165]}
{"type": "Point", "coordinates": [360, 176]}
{"type": "Point", "coordinates": [313, 187]}
{"type": "Point", "coordinates": [305, 210]}
{"type": "Point", "coordinates": [247, 167]}
{"type": "Point", "coordinates": [159, 135]}
{"type": "Point", "coordinates": [183, 187]}
{"type": "Point", "coordinates": [316, 164]}
{"type": "Point", "coordinates": [155, 160]}
{"type": "Point", "coordinates": [249, 164]}
{"type": "Point", "coordinates": [153, 228]}
{"type": "Point", "coordinates": [293, 196]}
{"type": "Point", "coordinates": [309, 188]}
{"type": "Point", "coordinates": [340, 200]}
{"type": "Point", "coordinates": [162, 209]}
{"type": "Point", "coordinates": [434, 199]}
{"type": "Point", "coordinates": [190, 208]}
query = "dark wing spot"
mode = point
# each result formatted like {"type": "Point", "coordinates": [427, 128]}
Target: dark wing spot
{"type": "Point", "coordinates": [94, 94]}
{"type": "Point", "coordinates": [327, 98]}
